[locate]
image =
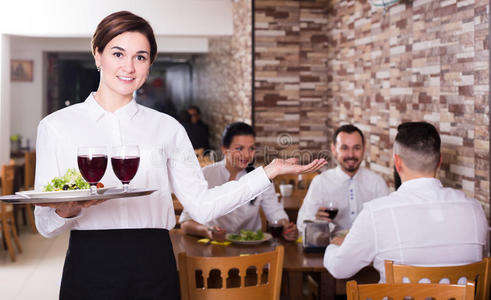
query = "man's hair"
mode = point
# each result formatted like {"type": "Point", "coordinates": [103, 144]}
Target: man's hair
{"type": "Point", "coordinates": [195, 108]}
{"type": "Point", "coordinates": [418, 144]}
{"type": "Point", "coordinates": [348, 128]}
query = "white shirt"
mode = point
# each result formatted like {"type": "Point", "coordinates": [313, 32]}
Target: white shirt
{"type": "Point", "coordinates": [349, 193]}
{"type": "Point", "coordinates": [167, 163]}
{"type": "Point", "coordinates": [247, 216]}
{"type": "Point", "coordinates": [422, 223]}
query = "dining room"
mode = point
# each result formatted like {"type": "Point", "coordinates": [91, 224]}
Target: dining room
{"type": "Point", "coordinates": [293, 71]}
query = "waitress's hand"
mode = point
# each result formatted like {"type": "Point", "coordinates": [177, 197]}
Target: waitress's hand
{"type": "Point", "coordinates": [70, 209]}
{"type": "Point", "coordinates": [290, 166]}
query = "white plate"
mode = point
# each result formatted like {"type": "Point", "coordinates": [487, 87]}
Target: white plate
{"type": "Point", "coordinates": [266, 237]}
{"type": "Point", "coordinates": [61, 194]}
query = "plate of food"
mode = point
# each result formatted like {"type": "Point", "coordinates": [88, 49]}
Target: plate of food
{"type": "Point", "coordinates": [248, 237]}
{"type": "Point", "coordinates": [72, 184]}
{"type": "Point", "coordinates": [72, 187]}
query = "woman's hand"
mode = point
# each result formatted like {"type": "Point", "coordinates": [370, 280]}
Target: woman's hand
{"type": "Point", "coordinates": [70, 209]}
{"type": "Point", "coordinates": [290, 166]}
{"type": "Point", "coordinates": [290, 232]}
{"type": "Point", "coordinates": [217, 233]}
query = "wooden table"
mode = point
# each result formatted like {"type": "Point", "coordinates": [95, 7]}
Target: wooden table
{"type": "Point", "coordinates": [296, 261]}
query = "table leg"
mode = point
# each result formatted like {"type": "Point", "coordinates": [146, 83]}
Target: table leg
{"type": "Point", "coordinates": [327, 287]}
{"type": "Point", "coordinates": [295, 281]}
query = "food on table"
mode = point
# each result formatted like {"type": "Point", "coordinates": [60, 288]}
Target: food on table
{"type": "Point", "coordinates": [247, 235]}
{"type": "Point", "coordinates": [72, 180]}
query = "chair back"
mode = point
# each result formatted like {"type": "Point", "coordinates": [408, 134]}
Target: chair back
{"type": "Point", "coordinates": [267, 268]}
{"type": "Point", "coordinates": [29, 169]}
{"type": "Point", "coordinates": [202, 159]}
{"type": "Point", "coordinates": [414, 291]}
{"type": "Point", "coordinates": [8, 177]}
{"type": "Point", "coordinates": [477, 273]}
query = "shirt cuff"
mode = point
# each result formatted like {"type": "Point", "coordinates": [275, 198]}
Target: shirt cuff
{"type": "Point", "coordinates": [60, 221]}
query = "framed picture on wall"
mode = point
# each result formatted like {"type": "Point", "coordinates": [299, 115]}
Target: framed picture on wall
{"type": "Point", "coordinates": [21, 70]}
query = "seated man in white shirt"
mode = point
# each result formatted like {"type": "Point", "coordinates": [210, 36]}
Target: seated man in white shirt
{"type": "Point", "coordinates": [422, 223]}
{"type": "Point", "coordinates": [348, 185]}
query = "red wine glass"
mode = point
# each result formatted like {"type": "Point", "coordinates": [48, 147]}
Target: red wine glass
{"type": "Point", "coordinates": [92, 163]}
{"type": "Point", "coordinates": [125, 161]}
{"type": "Point", "coordinates": [276, 229]}
{"type": "Point", "coordinates": [332, 209]}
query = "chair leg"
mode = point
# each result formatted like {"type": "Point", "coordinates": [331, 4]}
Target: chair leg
{"type": "Point", "coordinates": [30, 217]}
{"type": "Point", "coordinates": [17, 210]}
{"type": "Point", "coordinates": [6, 233]}
{"type": "Point", "coordinates": [16, 237]}
{"type": "Point", "coordinates": [4, 242]}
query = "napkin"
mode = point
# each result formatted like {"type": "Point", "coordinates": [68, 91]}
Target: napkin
{"type": "Point", "coordinates": [226, 243]}
{"type": "Point", "coordinates": [206, 241]}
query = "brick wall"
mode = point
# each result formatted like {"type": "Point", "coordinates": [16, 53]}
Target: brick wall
{"type": "Point", "coordinates": [222, 78]}
{"type": "Point", "coordinates": [317, 67]}
{"type": "Point", "coordinates": [420, 60]}
{"type": "Point", "coordinates": [291, 107]}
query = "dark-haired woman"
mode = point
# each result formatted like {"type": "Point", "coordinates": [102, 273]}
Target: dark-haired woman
{"type": "Point", "coordinates": [120, 249]}
{"type": "Point", "coordinates": [238, 147]}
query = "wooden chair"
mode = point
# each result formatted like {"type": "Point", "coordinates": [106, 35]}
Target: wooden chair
{"type": "Point", "coordinates": [29, 172]}
{"type": "Point", "coordinates": [203, 159]}
{"type": "Point", "coordinates": [7, 219]}
{"type": "Point", "coordinates": [414, 291]}
{"type": "Point", "coordinates": [265, 286]}
{"type": "Point", "coordinates": [478, 273]}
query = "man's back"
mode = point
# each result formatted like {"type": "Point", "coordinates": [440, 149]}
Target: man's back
{"type": "Point", "coordinates": [421, 223]}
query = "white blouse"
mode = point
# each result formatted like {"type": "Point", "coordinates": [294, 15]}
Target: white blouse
{"type": "Point", "coordinates": [167, 163]}
{"type": "Point", "coordinates": [349, 193]}
{"type": "Point", "coordinates": [247, 216]}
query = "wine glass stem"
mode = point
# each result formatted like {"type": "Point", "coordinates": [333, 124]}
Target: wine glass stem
{"type": "Point", "coordinates": [93, 189]}
{"type": "Point", "coordinates": [126, 187]}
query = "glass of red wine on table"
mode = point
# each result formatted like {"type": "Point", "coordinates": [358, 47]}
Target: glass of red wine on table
{"type": "Point", "coordinates": [92, 163]}
{"type": "Point", "coordinates": [125, 161]}
{"type": "Point", "coordinates": [332, 211]}
{"type": "Point", "coordinates": [276, 229]}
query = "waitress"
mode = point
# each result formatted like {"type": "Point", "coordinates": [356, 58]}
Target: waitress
{"type": "Point", "coordinates": [120, 249]}
{"type": "Point", "coordinates": [238, 147]}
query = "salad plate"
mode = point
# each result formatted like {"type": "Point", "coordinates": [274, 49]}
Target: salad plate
{"type": "Point", "coordinates": [232, 238]}
{"type": "Point", "coordinates": [75, 195]}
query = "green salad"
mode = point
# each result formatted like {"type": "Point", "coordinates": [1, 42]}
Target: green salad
{"type": "Point", "coordinates": [247, 235]}
{"type": "Point", "coordinates": [72, 180]}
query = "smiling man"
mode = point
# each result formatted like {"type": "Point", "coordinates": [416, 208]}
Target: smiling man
{"type": "Point", "coordinates": [347, 186]}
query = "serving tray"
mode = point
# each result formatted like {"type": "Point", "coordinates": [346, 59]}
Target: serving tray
{"type": "Point", "coordinates": [112, 193]}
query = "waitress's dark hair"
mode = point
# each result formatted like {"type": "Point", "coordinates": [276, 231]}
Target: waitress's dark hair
{"type": "Point", "coordinates": [121, 22]}
{"type": "Point", "coordinates": [235, 129]}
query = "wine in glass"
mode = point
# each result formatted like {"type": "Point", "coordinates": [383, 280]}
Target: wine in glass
{"type": "Point", "coordinates": [92, 163]}
{"type": "Point", "coordinates": [332, 210]}
{"type": "Point", "coordinates": [125, 161]}
{"type": "Point", "coordinates": [276, 229]}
